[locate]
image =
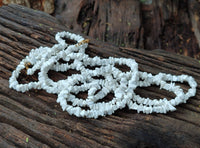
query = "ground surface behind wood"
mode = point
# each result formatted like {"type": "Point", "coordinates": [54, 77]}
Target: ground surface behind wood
{"type": "Point", "coordinates": [36, 115]}
{"type": "Point", "coordinates": [170, 25]}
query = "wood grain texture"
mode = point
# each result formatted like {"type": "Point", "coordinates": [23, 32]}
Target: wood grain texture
{"type": "Point", "coordinates": [42, 5]}
{"type": "Point", "coordinates": [169, 25]}
{"type": "Point", "coordinates": [36, 115]}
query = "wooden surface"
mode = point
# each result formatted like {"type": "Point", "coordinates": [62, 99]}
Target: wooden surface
{"type": "Point", "coordinates": [34, 119]}
{"type": "Point", "coordinates": [170, 25]}
{"type": "Point", "coordinates": [42, 5]}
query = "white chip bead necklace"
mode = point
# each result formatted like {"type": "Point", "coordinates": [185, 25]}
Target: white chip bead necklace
{"type": "Point", "coordinates": [121, 84]}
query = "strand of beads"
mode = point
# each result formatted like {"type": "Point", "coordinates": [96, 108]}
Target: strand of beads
{"type": "Point", "coordinates": [121, 84]}
{"type": "Point", "coordinates": [147, 105]}
{"type": "Point", "coordinates": [38, 57]}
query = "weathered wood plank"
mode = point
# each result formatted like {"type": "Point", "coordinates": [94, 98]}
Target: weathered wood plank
{"type": "Point", "coordinates": [147, 24]}
{"type": "Point", "coordinates": [36, 115]}
{"type": "Point", "coordinates": [42, 5]}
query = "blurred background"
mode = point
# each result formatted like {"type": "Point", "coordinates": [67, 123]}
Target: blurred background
{"type": "Point", "coordinates": [171, 25]}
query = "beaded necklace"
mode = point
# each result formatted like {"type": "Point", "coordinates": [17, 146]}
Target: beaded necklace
{"type": "Point", "coordinates": [121, 84]}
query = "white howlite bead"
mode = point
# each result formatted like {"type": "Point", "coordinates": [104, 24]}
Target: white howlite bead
{"type": "Point", "coordinates": [122, 84]}
{"type": "Point", "coordinates": [132, 105]}
{"type": "Point", "coordinates": [147, 110]}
